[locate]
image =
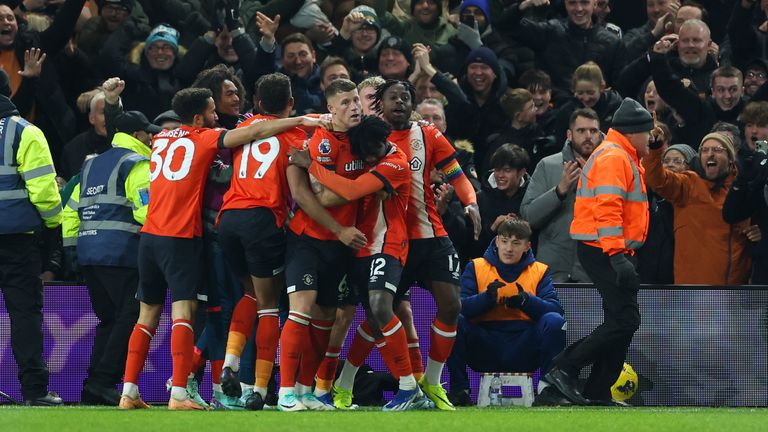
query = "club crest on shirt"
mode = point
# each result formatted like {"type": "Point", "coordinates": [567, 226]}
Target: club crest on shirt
{"type": "Point", "coordinates": [416, 144]}
{"type": "Point", "coordinates": [415, 164]}
{"type": "Point", "coordinates": [324, 147]}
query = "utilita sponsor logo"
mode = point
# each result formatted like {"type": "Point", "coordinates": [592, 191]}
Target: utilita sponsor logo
{"type": "Point", "coordinates": [355, 165]}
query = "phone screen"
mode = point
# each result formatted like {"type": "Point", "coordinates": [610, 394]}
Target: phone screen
{"type": "Point", "coordinates": [468, 20]}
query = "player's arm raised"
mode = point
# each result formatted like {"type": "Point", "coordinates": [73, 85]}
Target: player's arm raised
{"type": "Point", "coordinates": [265, 129]}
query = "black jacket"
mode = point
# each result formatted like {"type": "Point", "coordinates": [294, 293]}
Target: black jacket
{"type": "Point", "coordinates": [492, 204]}
{"type": "Point", "coordinates": [637, 72]}
{"type": "Point", "coordinates": [253, 61]}
{"type": "Point", "coordinates": [513, 57]}
{"type": "Point", "coordinates": [147, 90]}
{"type": "Point", "coordinates": [605, 107]}
{"type": "Point", "coordinates": [699, 114]}
{"type": "Point", "coordinates": [466, 119]}
{"type": "Point", "coordinates": [78, 148]}
{"type": "Point", "coordinates": [562, 47]}
{"type": "Point", "coordinates": [532, 138]}
{"type": "Point", "coordinates": [656, 257]}
{"type": "Point", "coordinates": [747, 41]}
{"type": "Point", "coordinates": [747, 198]}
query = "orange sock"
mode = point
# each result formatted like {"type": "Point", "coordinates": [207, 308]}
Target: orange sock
{"type": "Point", "coordinates": [267, 336]}
{"type": "Point", "coordinates": [182, 343]}
{"type": "Point", "coordinates": [326, 373]}
{"type": "Point", "coordinates": [241, 325]}
{"type": "Point", "coordinates": [293, 339]}
{"type": "Point", "coordinates": [361, 346]}
{"type": "Point", "coordinates": [138, 348]}
{"type": "Point", "coordinates": [319, 333]}
{"type": "Point", "coordinates": [216, 367]}
{"type": "Point", "coordinates": [441, 340]}
{"type": "Point", "coordinates": [417, 363]}
{"type": "Point", "coordinates": [397, 348]}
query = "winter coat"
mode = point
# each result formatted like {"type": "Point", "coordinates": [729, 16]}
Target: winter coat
{"type": "Point", "coordinates": [708, 250]}
{"type": "Point", "coordinates": [551, 218]}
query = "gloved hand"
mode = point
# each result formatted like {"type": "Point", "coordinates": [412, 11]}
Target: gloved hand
{"type": "Point", "coordinates": [625, 271]}
{"type": "Point", "coordinates": [232, 15]}
{"type": "Point", "coordinates": [516, 302]}
{"type": "Point", "coordinates": [469, 35]}
{"type": "Point", "coordinates": [493, 289]}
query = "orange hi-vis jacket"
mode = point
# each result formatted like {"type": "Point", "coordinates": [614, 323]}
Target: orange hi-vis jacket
{"type": "Point", "coordinates": [529, 279]}
{"type": "Point", "coordinates": [611, 209]}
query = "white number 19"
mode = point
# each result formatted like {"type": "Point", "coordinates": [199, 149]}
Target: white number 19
{"type": "Point", "coordinates": [253, 149]}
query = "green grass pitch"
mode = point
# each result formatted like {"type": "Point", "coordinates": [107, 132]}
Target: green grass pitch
{"type": "Point", "coordinates": [74, 418]}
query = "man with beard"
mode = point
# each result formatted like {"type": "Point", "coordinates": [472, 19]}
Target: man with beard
{"type": "Point", "coordinates": [708, 250]}
{"type": "Point", "coordinates": [432, 260]}
{"type": "Point", "coordinates": [551, 194]}
{"type": "Point", "coordinates": [170, 245]}
{"type": "Point", "coordinates": [696, 114]}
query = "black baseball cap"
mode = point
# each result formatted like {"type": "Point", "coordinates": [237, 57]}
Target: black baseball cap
{"type": "Point", "coordinates": [164, 116]}
{"type": "Point", "coordinates": [133, 121]}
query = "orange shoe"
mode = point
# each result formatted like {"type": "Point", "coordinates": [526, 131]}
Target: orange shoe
{"type": "Point", "coordinates": [185, 405]}
{"type": "Point", "coordinates": [126, 402]}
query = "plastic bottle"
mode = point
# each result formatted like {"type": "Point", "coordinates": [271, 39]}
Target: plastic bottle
{"type": "Point", "coordinates": [494, 391]}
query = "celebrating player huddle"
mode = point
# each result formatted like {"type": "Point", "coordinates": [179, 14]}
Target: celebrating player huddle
{"type": "Point", "coordinates": [365, 217]}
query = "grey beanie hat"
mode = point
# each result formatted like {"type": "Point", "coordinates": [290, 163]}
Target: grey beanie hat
{"type": "Point", "coordinates": [687, 151]}
{"type": "Point", "coordinates": [631, 117]}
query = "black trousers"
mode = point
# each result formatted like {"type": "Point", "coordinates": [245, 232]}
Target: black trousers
{"type": "Point", "coordinates": [113, 298]}
{"type": "Point", "coordinates": [23, 294]}
{"type": "Point", "coordinates": [606, 347]}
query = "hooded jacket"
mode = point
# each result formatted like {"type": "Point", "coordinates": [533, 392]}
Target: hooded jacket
{"type": "Point", "coordinates": [474, 304]}
{"type": "Point", "coordinates": [708, 250]}
{"type": "Point", "coordinates": [466, 119]}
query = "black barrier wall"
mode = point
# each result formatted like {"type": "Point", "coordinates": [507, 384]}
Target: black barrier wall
{"type": "Point", "coordinates": [696, 346]}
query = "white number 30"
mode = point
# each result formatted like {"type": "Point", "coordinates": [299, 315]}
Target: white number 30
{"type": "Point", "coordinates": [165, 166]}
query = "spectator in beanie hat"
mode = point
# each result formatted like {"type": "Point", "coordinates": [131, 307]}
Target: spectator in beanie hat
{"type": "Point", "coordinates": [395, 58]}
{"type": "Point", "coordinates": [357, 40]}
{"type": "Point", "coordinates": [151, 84]}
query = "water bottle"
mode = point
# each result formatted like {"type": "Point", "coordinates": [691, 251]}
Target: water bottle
{"type": "Point", "coordinates": [494, 391]}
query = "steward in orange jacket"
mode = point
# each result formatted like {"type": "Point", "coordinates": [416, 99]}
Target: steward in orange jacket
{"type": "Point", "coordinates": [610, 220]}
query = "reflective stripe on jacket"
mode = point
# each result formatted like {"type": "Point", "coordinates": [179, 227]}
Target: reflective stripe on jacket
{"type": "Point", "coordinates": [29, 195]}
{"type": "Point", "coordinates": [611, 208]}
{"type": "Point", "coordinates": [108, 232]}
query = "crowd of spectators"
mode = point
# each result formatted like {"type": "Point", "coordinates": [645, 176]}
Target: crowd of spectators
{"type": "Point", "coordinates": [509, 83]}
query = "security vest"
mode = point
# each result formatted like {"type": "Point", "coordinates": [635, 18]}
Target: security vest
{"type": "Point", "coordinates": [109, 234]}
{"type": "Point", "coordinates": [17, 213]}
{"type": "Point", "coordinates": [611, 208]}
{"type": "Point", "coordinates": [529, 279]}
